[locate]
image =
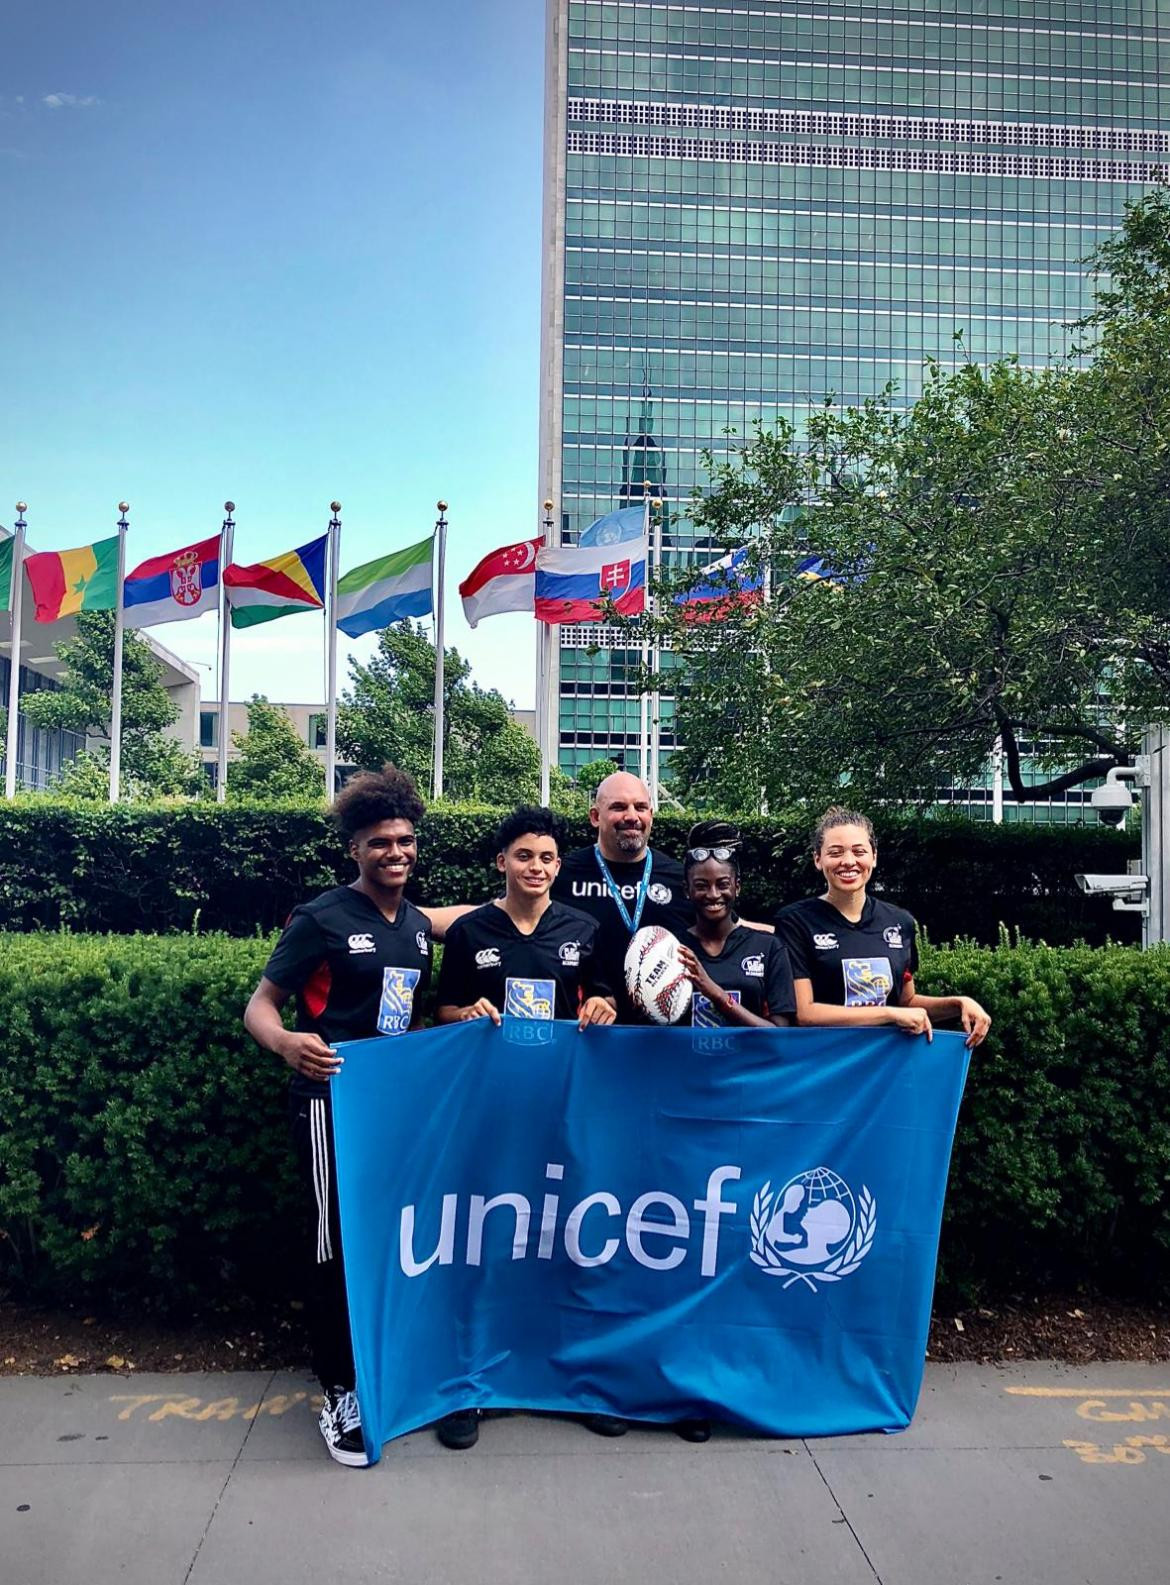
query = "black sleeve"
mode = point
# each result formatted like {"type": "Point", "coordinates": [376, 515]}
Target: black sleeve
{"type": "Point", "coordinates": [913, 947]}
{"type": "Point", "coordinates": [297, 954]}
{"type": "Point", "coordinates": [778, 990]}
{"type": "Point", "coordinates": [594, 979]}
{"type": "Point", "coordinates": [791, 933]}
{"type": "Point", "coordinates": [455, 969]}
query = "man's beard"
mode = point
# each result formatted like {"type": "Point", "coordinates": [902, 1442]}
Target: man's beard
{"type": "Point", "coordinates": [630, 843]}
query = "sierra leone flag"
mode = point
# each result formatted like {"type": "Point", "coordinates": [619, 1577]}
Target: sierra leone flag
{"type": "Point", "coordinates": [387, 590]}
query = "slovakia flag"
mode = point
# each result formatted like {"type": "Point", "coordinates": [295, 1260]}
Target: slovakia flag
{"type": "Point", "coordinates": [502, 581]}
{"type": "Point", "coordinates": [723, 584]}
{"type": "Point", "coordinates": [173, 588]}
{"type": "Point", "coordinates": [577, 585]}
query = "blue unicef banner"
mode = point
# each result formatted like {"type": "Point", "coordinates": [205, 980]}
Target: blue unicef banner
{"type": "Point", "coordinates": [660, 1224]}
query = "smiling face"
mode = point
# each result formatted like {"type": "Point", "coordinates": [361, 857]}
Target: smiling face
{"type": "Point", "coordinates": [713, 888]}
{"type": "Point", "coordinates": [622, 817]}
{"type": "Point", "coordinates": [385, 854]}
{"type": "Point", "coordinates": [529, 865]}
{"type": "Point", "coordinates": [847, 860]}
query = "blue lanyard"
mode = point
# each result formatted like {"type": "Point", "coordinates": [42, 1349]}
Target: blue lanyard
{"type": "Point", "coordinates": [615, 892]}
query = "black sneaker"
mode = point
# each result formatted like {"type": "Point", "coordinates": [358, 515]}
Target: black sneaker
{"type": "Point", "coordinates": [693, 1430]}
{"type": "Point", "coordinates": [341, 1426]}
{"type": "Point", "coordinates": [605, 1424]}
{"type": "Point", "coordinates": [459, 1431]}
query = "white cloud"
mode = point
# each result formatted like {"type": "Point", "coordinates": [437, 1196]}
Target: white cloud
{"type": "Point", "coordinates": [70, 101]}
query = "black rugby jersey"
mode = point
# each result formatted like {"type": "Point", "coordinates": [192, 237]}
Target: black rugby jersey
{"type": "Point", "coordinates": [850, 965]}
{"type": "Point", "coordinates": [355, 973]}
{"type": "Point", "coordinates": [484, 951]}
{"type": "Point", "coordinates": [581, 884]}
{"type": "Point", "coordinates": [753, 967]}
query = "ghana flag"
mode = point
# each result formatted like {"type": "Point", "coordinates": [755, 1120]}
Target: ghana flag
{"type": "Point", "coordinates": [5, 575]}
{"type": "Point", "coordinates": [64, 582]}
{"type": "Point", "coordinates": [279, 587]}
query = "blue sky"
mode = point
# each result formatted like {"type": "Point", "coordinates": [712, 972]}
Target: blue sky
{"type": "Point", "coordinates": [277, 253]}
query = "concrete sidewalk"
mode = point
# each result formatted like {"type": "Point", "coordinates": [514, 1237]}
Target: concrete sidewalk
{"type": "Point", "coordinates": [1027, 1474]}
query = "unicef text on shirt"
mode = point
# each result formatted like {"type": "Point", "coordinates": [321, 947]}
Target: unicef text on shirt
{"type": "Point", "coordinates": [657, 893]}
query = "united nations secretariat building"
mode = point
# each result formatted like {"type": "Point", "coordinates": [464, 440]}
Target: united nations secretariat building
{"type": "Point", "coordinates": [750, 203]}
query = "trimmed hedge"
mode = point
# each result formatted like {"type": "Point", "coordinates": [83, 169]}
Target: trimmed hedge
{"type": "Point", "coordinates": [144, 1152]}
{"type": "Point", "coordinates": [242, 869]}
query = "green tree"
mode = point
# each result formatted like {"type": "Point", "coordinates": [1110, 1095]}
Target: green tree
{"type": "Point", "coordinates": [387, 713]}
{"type": "Point", "coordinates": [273, 761]}
{"type": "Point", "coordinates": [152, 763]}
{"type": "Point", "coordinates": [999, 560]}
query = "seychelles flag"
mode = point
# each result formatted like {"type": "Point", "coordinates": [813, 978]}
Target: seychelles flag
{"type": "Point", "coordinates": [579, 585]}
{"type": "Point", "coordinates": [173, 588]}
{"type": "Point", "coordinates": [279, 587]}
{"type": "Point", "coordinates": [387, 590]}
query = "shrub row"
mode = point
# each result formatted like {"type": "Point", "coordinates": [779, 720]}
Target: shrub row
{"type": "Point", "coordinates": [143, 1151]}
{"type": "Point", "coordinates": [242, 869]}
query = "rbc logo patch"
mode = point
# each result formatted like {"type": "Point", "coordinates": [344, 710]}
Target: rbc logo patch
{"type": "Point", "coordinates": [868, 981]}
{"type": "Point", "coordinates": [703, 1014]}
{"type": "Point", "coordinates": [397, 1005]}
{"type": "Point", "coordinates": [529, 998]}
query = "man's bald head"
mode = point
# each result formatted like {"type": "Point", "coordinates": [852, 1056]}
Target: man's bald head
{"type": "Point", "coordinates": [622, 817]}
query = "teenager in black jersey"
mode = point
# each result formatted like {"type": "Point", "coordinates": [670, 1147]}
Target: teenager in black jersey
{"type": "Point", "coordinates": [741, 975]}
{"type": "Point", "coordinates": [524, 956]}
{"type": "Point", "coordinates": [495, 955]}
{"type": "Point", "coordinates": [854, 956]}
{"type": "Point", "coordinates": [358, 960]}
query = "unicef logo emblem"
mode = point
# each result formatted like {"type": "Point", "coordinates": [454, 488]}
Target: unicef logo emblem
{"type": "Point", "coordinates": [814, 1230]}
{"type": "Point", "coordinates": [659, 894]}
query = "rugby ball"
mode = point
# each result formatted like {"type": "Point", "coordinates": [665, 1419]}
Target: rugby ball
{"type": "Point", "coordinates": [655, 978]}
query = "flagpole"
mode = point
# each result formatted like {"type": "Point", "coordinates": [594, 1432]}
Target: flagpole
{"type": "Point", "coordinates": [643, 697]}
{"type": "Point", "coordinates": [544, 703]}
{"type": "Point", "coordinates": [331, 652]}
{"type": "Point", "coordinates": [15, 601]}
{"type": "Point", "coordinates": [226, 541]}
{"type": "Point", "coordinates": [119, 624]}
{"type": "Point", "coordinates": [441, 560]}
{"type": "Point", "coordinates": [655, 520]}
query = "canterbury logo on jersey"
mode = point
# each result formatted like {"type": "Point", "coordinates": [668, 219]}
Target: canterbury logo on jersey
{"type": "Point", "coordinates": [488, 958]}
{"type": "Point", "coordinates": [361, 942]}
{"type": "Point", "coordinates": [825, 941]}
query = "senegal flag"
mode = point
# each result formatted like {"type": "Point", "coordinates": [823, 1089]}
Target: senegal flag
{"type": "Point", "coordinates": [67, 581]}
{"type": "Point", "coordinates": [5, 575]}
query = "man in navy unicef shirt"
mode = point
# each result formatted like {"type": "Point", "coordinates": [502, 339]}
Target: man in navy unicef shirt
{"type": "Point", "coordinates": [622, 882]}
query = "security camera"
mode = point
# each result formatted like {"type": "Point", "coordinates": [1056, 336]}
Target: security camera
{"type": "Point", "coordinates": [1133, 886]}
{"type": "Point", "coordinates": [1111, 802]}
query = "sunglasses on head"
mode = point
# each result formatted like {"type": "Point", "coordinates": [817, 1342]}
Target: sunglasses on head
{"type": "Point", "coordinates": [722, 854]}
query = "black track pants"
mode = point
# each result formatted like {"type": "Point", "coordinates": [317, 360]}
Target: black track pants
{"type": "Point", "coordinates": [328, 1311]}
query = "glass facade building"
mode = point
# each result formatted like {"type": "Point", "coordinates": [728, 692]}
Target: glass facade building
{"type": "Point", "coordinates": [752, 203]}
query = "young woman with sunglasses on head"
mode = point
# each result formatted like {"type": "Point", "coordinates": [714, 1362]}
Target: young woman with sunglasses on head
{"type": "Point", "coordinates": [854, 956]}
{"type": "Point", "coordinates": [741, 975]}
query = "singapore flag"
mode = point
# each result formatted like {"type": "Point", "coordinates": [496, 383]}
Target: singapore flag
{"type": "Point", "coordinates": [503, 581]}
